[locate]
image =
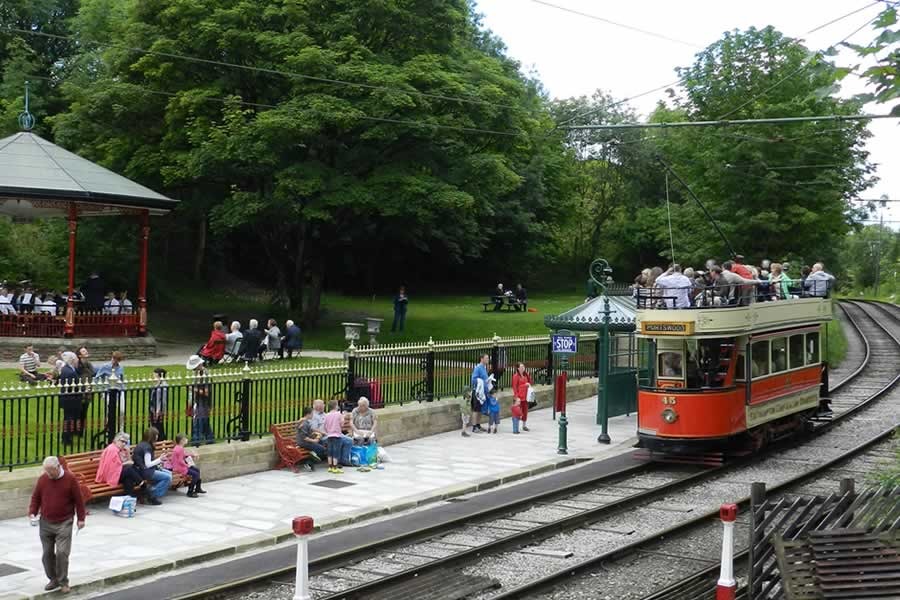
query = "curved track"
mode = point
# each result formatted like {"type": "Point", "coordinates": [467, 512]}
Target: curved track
{"type": "Point", "coordinates": [626, 512]}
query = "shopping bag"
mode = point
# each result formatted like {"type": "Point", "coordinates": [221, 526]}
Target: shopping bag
{"type": "Point", "coordinates": [123, 506]}
{"type": "Point", "coordinates": [371, 453]}
{"type": "Point", "coordinates": [358, 455]}
{"type": "Point", "coordinates": [383, 455]}
{"type": "Point", "coordinates": [529, 397]}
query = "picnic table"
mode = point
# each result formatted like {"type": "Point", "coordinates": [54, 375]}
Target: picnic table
{"type": "Point", "coordinates": [509, 302]}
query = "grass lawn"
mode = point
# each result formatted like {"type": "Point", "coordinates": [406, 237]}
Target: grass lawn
{"type": "Point", "coordinates": [440, 317]}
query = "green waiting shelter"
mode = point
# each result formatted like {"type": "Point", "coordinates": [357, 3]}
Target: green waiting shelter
{"type": "Point", "coordinates": [611, 315]}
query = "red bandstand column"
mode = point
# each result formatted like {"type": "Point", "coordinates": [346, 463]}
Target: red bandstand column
{"type": "Point", "coordinates": [142, 278]}
{"type": "Point", "coordinates": [69, 330]}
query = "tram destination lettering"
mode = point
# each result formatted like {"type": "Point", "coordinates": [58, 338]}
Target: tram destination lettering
{"type": "Point", "coordinates": [667, 328]}
{"type": "Point", "coordinates": [565, 344]}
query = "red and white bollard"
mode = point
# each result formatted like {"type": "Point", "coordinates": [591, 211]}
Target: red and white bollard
{"type": "Point", "coordinates": [727, 586]}
{"type": "Point", "coordinates": [303, 526]}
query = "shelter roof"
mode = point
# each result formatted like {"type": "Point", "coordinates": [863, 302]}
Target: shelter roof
{"type": "Point", "coordinates": [589, 316]}
{"type": "Point", "coordinates": [40, 179]}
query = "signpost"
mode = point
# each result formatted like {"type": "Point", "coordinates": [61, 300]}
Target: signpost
{"type": "Point", "coordinates": [564, 343]}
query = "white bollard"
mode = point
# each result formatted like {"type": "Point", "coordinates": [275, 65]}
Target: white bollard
{"type": "Point", "coordinates": [303, 526]}
{"type": "Point", "coordinates": [727, 586]}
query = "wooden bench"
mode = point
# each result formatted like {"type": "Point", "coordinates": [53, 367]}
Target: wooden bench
{"type": "Point", "coordinates": [289, 453]}
{"type": "Point", "coordinates": [84, 467]}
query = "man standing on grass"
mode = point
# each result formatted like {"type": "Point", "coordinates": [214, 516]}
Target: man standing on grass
{"type": "Point", "coordinates": [479, 374]}
{"type": "Point", "coordinates": [56, 498]}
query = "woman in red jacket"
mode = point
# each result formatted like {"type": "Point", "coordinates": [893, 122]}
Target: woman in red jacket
{"type": "Point", "coordinates": [214, 349]}
{"type": "Point", "coordinates": [520, 383]}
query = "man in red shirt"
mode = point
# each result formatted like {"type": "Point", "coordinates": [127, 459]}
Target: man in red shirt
{"type": "Point", "coordinates": [740, 269]}
{"type": "Point", "coordinates": [56, 498]}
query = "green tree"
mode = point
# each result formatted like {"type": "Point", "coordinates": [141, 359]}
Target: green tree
{"type": "Point", "coordinates": [884, 52]}
{"type": "Point", "coordinates": [778, 192]}
{"type": "Point", "coordinates": [427, 154]}
{"type": "Point", "coordinates": [870, 252]}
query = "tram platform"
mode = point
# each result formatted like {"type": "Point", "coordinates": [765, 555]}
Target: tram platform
{"type": "Point", "coordinates": [242, 515]}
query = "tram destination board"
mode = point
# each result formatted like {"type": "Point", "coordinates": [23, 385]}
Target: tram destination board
{"type": "Point", "coordinates": [667, 328]}
{"type": "Point", "coordinates": [564, 343]}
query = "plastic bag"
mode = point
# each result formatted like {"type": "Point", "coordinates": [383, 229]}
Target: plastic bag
{"type": "Point", "coordinates": [123, 506]}
{"type": "Point", "coordinates": [358, 455]}
{"type": "Point", "coordinates": [529, 397]}
{"type": "Point", "coordinates": [371, 453]}
{"type": "Point", "coordinates": [383, 455]}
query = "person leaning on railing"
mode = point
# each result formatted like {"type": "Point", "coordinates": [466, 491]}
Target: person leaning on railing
{"type": "Point", "coordinates": [819, 282]}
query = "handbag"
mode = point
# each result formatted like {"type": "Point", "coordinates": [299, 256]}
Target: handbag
{"type": "Point", "coordinates": [529, 397]}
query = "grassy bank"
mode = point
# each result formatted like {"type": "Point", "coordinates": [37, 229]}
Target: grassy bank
{"type": "Point", "coordinates": [440, 317]}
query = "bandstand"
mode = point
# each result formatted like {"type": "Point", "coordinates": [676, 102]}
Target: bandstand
{"type": "Point", "coordinates": [40, 180]}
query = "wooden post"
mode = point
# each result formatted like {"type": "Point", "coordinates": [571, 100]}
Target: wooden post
{"type": "Point", "coordinates": [69, 330]}
{"type": "Point", "coordinates": [142, 277]}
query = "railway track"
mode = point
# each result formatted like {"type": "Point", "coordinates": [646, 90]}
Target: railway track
{"type": "Point", "coordinates": [574, 532]}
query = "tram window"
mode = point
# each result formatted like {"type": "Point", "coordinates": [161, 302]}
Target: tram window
{"type": "Point", "coordinates": [779, 355]}
{"type": "Point", "coordinates": [759, 358]}
{"type": "Point", "coordinates": [795, 350]}
{"type": "Point", "coordinates": [670, 364]}
{"type": "Point", "coordinates": [741, 370]}
{"type": "Point", "coordinates": [812, 348]}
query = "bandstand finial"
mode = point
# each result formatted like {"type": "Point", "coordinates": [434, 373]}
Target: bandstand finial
{"type": "Point", "coordinates": [26, 119]}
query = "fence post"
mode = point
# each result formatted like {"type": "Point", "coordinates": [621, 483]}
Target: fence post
{"type": "Point", "coordinates": [351, 374]}
{"type": "Point", "coordinates": [757, 499]}
{"type": "Point", "coordinates": [302, 527]}
{"type": "Point", "coordinates": [245, 404]}
{"type": "Point", "coordinates": [726, 586]}
{"type": "Point", "coordinates": [429, 371]}
{"type": "Point", "coordinates": [549, 362]}
{"type": "Point", "coordinates": [495, 359]}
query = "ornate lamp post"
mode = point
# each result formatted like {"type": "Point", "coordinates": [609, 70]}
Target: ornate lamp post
{"type": "Point", "coordinates": [599, 271]}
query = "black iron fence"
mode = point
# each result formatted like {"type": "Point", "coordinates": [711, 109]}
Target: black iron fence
{"type": "Point", "coordinates": [398, 373]}
{"type": "Point", "coordinates": [234, 404]}
{"type": "Point", "coordinates": [221, 405]}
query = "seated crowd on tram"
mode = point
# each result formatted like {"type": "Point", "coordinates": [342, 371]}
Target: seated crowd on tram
{"type": "Point", "coordinates": [731, 283]}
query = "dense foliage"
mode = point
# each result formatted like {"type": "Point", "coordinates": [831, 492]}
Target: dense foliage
{"type": "Point", "coordinates": [360, 144]}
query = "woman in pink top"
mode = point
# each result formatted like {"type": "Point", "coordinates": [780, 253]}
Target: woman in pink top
{"type": "Point", "coordinates": [116, 466]}
{"type": "Point", "coordinates": [182, 462]}
{"type": "Point", "coordinates": [333, 421]}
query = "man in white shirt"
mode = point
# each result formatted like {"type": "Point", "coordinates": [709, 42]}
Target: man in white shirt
{"type": "Point", "coordinates": [29, 363]}
{"type": "Point", "coordinates": [47, 305]}
{"type": "Point", "coordinates": [680, 287]}
{"type": "Point", "coordinates": [6, 302]}
{"type": "Point", "coordinates": [111, 306]}
{"type": "Point", "coordinates": [819, 283]}
{"type": "Point", "coordinates": [125, 306]}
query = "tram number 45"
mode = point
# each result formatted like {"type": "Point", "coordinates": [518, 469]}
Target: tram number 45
{"type": "Point", "coordinates": [565, 344]}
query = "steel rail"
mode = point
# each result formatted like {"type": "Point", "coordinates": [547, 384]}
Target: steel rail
{"type": "Point", "coordinates": [334, 561]}
{"type": "Point", "coordinates": [572, 521]}
{"type": "Point", "coordinates": [709, 573]}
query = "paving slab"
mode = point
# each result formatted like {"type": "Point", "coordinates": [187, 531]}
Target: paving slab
{"type": "Point", "coordinates": [247, 512]}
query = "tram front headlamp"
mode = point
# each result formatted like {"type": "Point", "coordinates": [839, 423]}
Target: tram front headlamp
{"type": "Point", "coordinates": [669, 416]}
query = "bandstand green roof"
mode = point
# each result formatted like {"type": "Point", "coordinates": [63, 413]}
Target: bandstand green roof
{"type": "Point", "coordinates": [40, 179]}
{"type": "Point", "coordinates": [589, 316]}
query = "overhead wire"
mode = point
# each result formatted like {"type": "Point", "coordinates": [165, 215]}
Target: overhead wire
{"type": "Point", "coordinates": [268, 71]}
{"type": "Point", "coordinates": [362, 117]}
{"type": "Point", "coordinates": [803, 66]}
{"type": "Point", "coordinates": [617, 24]}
